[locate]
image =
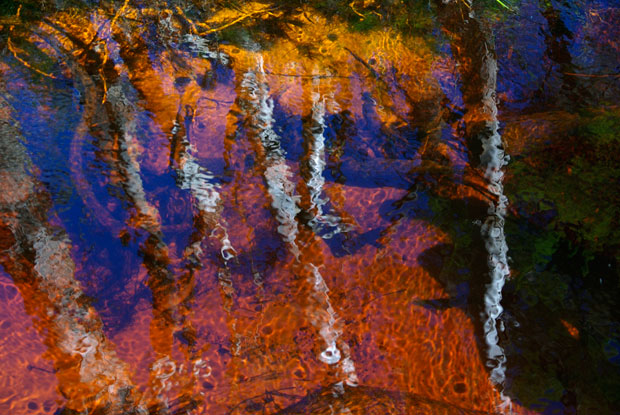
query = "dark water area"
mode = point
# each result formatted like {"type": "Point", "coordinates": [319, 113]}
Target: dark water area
{"type": "Point", "coordinates": [309, 207]}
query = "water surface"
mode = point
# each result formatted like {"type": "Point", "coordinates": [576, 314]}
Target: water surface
{"type": "Point", "coordinates": [309, 207]}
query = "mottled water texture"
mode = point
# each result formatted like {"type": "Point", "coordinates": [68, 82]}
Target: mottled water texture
{"type": "Point", "coordinates": [309, 207]}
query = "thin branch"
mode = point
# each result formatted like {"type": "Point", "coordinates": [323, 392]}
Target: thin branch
{"type": "Point", "coordinates": [610, 75]}
{"type": "Point", "coordinates": [237, 20]}
{"type": "Point", "coordinates": [26, 64]}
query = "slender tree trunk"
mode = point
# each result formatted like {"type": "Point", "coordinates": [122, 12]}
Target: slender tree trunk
{"type": "Point", "coordinates": [37, 255]}
{"type": "Point", "coordinates": [473, 48]}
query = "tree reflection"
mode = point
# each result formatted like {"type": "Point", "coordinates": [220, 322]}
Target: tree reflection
{"type": "Point", "coordinates": [37, 255]}
{"type": "Point", "coordinates": [350, 215]}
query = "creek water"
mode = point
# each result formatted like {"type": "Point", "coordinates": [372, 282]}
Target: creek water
{"type": "Point", "coordinates": [375, 207]}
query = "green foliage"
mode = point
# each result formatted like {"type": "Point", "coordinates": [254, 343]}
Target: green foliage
{"type": "Point", "coordinates": [602, 130]}
{"type": "Point", "coordinates": [562, 245]}
{"type": "Point", "coordinates": [538, 383]}
{"type": "Point", "coordinates": [235, 35]}
{"type": "Point", "coordinates": [332, 7]}
{"type": "Point", "coordinates": [408, 17]}
{"type": "Point", "coordinates": [504, 5]}
{"type": "Point", "coordinates": [8, 7]}
{"type": "Point", "coordinates": [369, 22]}
{"type": "Point", "coordinates": [497, 9]}
{"type": "Point", "coordinates": [577, 180]}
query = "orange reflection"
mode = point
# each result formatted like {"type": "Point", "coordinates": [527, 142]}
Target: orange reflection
{"type": "Point", "coordinates": [37, 256]}
{"type": "Point", "coordinates": [312, 319]}
{"type": "Point", "coordinates": [572, 330]}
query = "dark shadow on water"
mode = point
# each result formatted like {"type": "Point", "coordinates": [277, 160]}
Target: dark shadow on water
{"type": "Point", "coordinates": [369, 400]}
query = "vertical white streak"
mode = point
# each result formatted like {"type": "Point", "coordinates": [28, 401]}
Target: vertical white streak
{"type": "Point", "coordinates": [317, 153]}
{"type": "Point", "coordinates": [277, 173]}
{"type": "Point", "coordinates": [128, 154]}
{"type": "Point", "coordinates": [198, 181]}
{"type": "Point", "coordinates": [493, 159]}
{"type": "Point", "coordinates": [321, 221]}
{"type": "Point", "coordinates": [281, 189]}
{"type": "Point", "coordinates": [207, 201]}
{"type": "Point", "coordinates": [205, 193]}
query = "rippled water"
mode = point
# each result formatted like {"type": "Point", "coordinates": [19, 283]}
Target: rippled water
{"type": "Point", "coordinates": [232, 207]}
